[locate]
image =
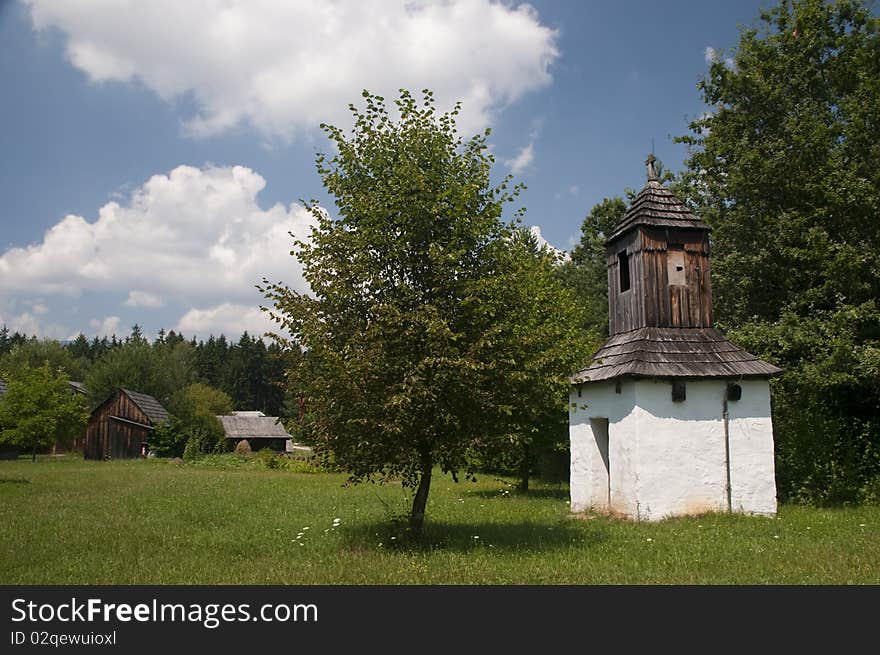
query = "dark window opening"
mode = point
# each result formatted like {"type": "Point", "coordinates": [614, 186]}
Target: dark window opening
{"type": "Point", "coordinates": [679, 391]}
{"type": "Point", "coordinates": [734, 392]}
{"type": "Point", "coordinates": [623, 265]}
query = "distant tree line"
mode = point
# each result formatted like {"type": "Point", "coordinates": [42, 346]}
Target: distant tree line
{"type": "Point", "coordinates": [248, 370]}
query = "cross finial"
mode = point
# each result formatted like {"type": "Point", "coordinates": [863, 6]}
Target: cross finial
{"type": "Point", "coordinates": [652, 174]}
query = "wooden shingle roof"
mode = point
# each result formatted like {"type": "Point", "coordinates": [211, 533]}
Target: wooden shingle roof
{"type": "Point", "coordinates": [148, 405]}
{"type": "Point", "coordinates": [253, 427]}
{"type": "Point", "coordinates": [672, 352]}
{"type": "Point", "coordinates": [657, 206]}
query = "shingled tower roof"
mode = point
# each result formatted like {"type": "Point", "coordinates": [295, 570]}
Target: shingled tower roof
{"type": "Point", "coordinates": [657, 206]}
{"type": "Point", "coordinates": [660, 298]}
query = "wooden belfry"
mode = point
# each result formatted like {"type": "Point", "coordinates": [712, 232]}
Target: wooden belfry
{"type": "Point", "coordinates": [660, 297]}
{"type": "Point", "coordinates": [658, 261]}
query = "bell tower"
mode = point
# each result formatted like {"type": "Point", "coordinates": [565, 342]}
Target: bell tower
{"type": "Point", "coordinates": [658, 264]}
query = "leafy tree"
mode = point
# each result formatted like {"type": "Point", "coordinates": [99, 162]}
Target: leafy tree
{"type": "Point", "coordinates": [784, 168]}
{"type": "Point", "coordinates": [401, 332]}
{"type": "Point", "coordinates": [34, 352]}
{"type": "Point", "coordinates": [587, 271]}
{"type": "Point", "coordinates": [196, 407]}
{"type": "Point", "coordinates": [156, 370]}
{"type": "Point", "coordinates": [536, 342]}
{"type": "Point", "coordinates": [38, 409]}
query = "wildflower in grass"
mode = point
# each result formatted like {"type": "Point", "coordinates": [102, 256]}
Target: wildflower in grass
{"type": "Point", "coordinates": [476, 536]}
{"type": "Point", "coordinates": [649, 539]}
{"type": "Point", "coordinates": [861, 525]}
{"type": "Point", "coordinates": [776, 536]}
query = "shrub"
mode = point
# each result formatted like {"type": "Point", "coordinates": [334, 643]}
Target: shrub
{"type": "Point", "coordinates": [270, 459]}
{"type": "Point", "coordinates": [193, 449]}
{"type": "Point", "coordinates": [169, 439]}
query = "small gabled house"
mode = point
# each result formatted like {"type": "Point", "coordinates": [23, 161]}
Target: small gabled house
{"type": "Point", "coordinates": [120, 427]}
{"type": "Point", "coordinates": [669, 417]}
{"type": "Point", "coordinates": [259, 430]}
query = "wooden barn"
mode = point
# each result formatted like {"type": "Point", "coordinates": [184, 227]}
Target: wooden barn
{"type": "Point", "coordinates": [120, 427]}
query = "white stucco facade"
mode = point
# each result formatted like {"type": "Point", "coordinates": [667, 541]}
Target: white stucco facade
{"type": "Point", "coordinates": [637, 453]}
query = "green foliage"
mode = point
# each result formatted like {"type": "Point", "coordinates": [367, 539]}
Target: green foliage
{"type": "Point", "coordinates": [269, 459]}
{"type": "Point", "coordinates": [587, 271]}
{"type": "Point", "coordinates": [195, 447]}
{"type": "Point", "coordinates": [409, 308]}
{"type": "Point", "coordinates": [536, 341]}
{"type": "Point", "coordinates": [159, 370]}
{"type": "Point", "coordinates": [35, 352]}
{"type": "Point", "coordinates": [169, 439]}
{"type": "Point", "coordinates": [38, 409]}
{"type": "Point", "coordinates": [197, 407]}
{"type": "Point", "coordinates": [784, 168]}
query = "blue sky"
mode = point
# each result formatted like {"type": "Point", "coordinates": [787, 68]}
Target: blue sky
{"type": "Point", "coordinates": [154, 153]}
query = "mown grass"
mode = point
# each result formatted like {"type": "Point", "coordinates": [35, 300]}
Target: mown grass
{"type": "Point", "coordinates": [69, 521]}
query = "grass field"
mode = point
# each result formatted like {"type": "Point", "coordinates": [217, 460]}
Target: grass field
{"type": "Point", "coordinates": [69, 521]}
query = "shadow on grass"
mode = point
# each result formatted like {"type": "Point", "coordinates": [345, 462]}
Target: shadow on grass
{"type": "Point", "coordinates": [560, 493]}
{"type": "Point", "coordinates": [14, 481]}
{"type": "Point", "coordinates": [467, 537]}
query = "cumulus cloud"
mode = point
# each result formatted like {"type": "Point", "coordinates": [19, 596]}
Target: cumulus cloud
{"type": "Point", "coordinates": [195, 237]}
{"type": "Point", "coordinates": [105, 327]}
{"type": "Point", "coordinates": [522, 160]}
{"type": "Point", "coordinates": [194, 233]}
{"type": "Point", "coordinates": [143, 299]}
{"type": "Point", "coordinates": [227, 318]}
{"type": "Point", "coordinates": [536, 232]}
{"type": "Point", "coordinates": [526, 155]}
{"type": "Point", "coordinates": [286, 65]}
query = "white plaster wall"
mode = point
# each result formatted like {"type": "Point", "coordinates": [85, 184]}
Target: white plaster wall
{"type": "Point", "coordinates": [588, 484]}
{"type": "Point", "coordinates": [681, 449]}
{"type": "Point", "coordinates": [668, 458]}
{"type": "Point", "coordinates": [752, 465]}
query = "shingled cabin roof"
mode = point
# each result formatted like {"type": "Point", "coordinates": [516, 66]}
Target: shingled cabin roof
{"type": "Point", "coordinates": [253, 427]}
{"type": "Point", "coordinates": [672, 352]}
{"type": "Point", "coordinates": [148, 405]}
{"type": "Point", "coordinates": [657, 206]}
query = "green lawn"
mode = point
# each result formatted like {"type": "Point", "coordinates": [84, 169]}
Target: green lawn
{"type": "Point", "coordinates": [68, 521]}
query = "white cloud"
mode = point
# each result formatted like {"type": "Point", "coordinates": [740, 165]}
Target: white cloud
{"type": "Point", "coordinates": [227, 318]}
{"type": "Point", "coordinates": [536, 232]}
{"type": "Point", "coordinates": [287, 65]}
{"type": "Point", "coordinates": [197, 235]}
{"type": "Point", "coordinates": [711, 54]}
{"type": "Point", "coordinates": [143, 299]}
{"type": "Point", "coordinates": [105, 327]}
{"type": "Point", "coordinates": [574, 190]}
{"type": "Point", "coordinates": [522, 160]}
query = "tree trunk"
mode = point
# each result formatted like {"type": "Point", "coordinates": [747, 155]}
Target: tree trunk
{"type": "Point", "coordinates": [34, 453]}
{"type": "Point", "coordinates": [420, 502]}
{"type": "Point", "coordinates": [524, 469]}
